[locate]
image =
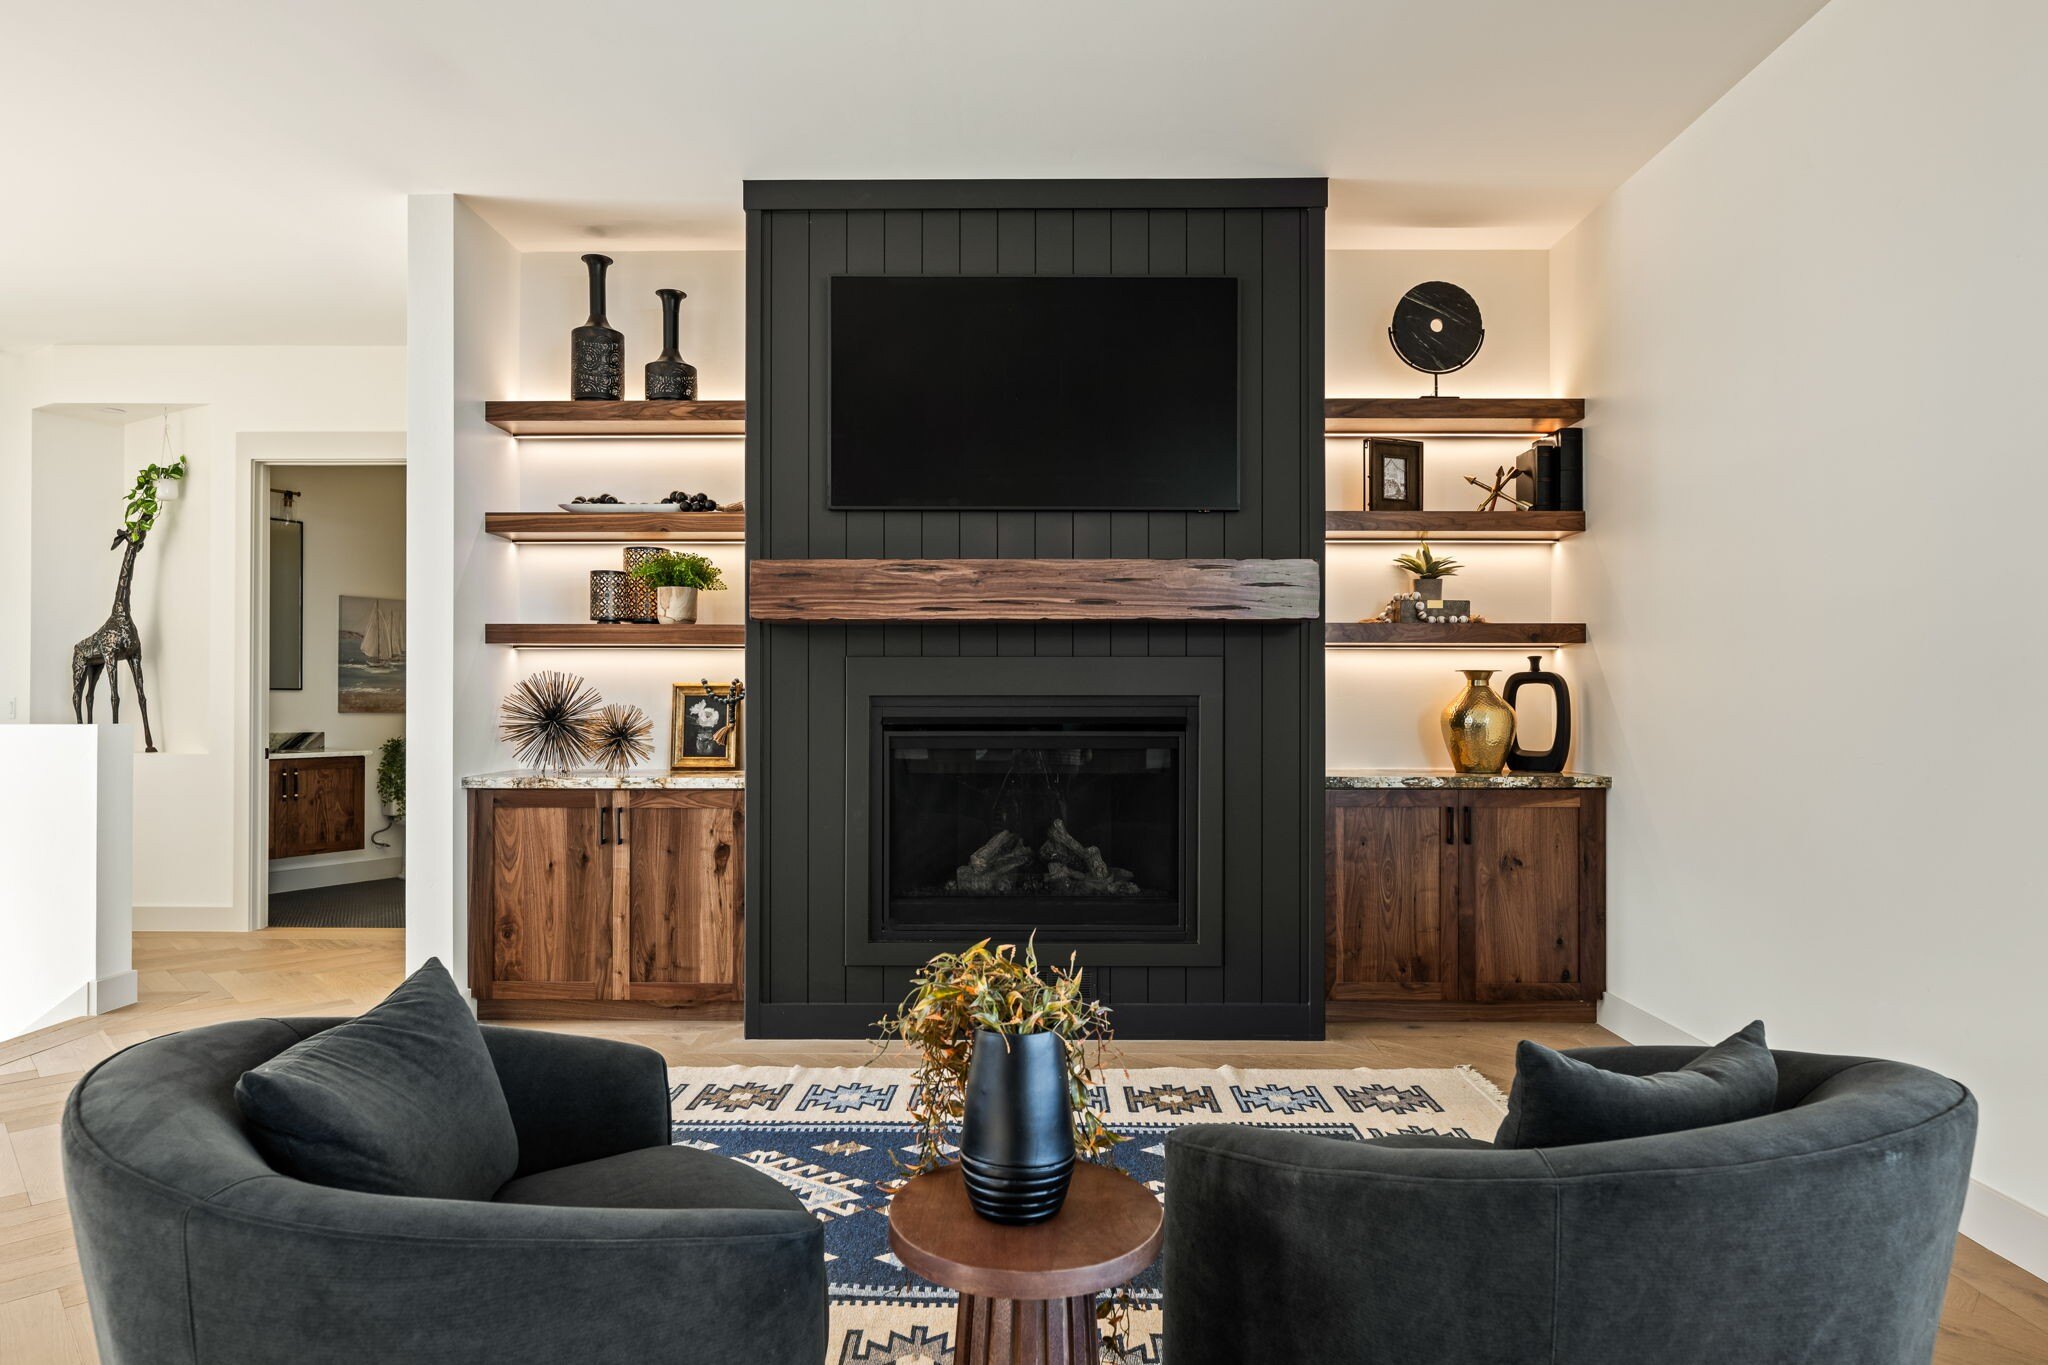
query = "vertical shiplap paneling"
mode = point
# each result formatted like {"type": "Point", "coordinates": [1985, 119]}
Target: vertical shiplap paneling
{"type": "Point", "coordinates": [942, 529]}
{"type": "Point", "coordinates": [823, 845]}
{"type": "Point", "coordinates": [1283, 448]}
{"type": "Point", "coordinates": [980, 254]}
{"type": "Point", "coordinates": [1243, 670]}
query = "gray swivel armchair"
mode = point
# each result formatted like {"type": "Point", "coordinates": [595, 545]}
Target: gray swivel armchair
{"type": "Point", "coordinates": [608, 1245]}
{"type": "Point", "coordinates": [1820, 1233]}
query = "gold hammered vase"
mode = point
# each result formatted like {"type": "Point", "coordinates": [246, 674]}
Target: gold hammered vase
{"type": "Point", "coordinates": [1479, 728]}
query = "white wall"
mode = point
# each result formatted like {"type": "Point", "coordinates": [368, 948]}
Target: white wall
{"type": "Point", "coordinates": [1809, 335]}
{"type": "Point", "coordinates": [76, 465]}
{"type": "Point", "coordinates": [194, 817]}
{"type": "Point", "coordinates": [354, 537]}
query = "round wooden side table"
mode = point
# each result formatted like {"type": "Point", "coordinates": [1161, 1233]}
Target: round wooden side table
{"type": "Point", "coordinates": [1027, 1294]}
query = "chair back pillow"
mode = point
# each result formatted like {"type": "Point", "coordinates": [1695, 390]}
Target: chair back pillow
{"type": "Point", "coordinates": [402, 1099]}
{"type": "Point", "coordinates": [1560, 1101]}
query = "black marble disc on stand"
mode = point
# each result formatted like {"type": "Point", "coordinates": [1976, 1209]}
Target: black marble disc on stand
{"type": "Point", "coordinates": [1436, 328]}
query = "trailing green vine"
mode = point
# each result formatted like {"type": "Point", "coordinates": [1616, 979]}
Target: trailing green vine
{"type": "Point", "coordinates": [143, 503]}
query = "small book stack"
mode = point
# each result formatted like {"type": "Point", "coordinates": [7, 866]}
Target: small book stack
{"type": "Point", "coordinates": [1551, 475]}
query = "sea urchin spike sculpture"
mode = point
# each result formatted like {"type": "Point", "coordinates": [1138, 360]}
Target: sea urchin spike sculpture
{"type": "Point", "coordinates": [549, 720]}
{"type": "Point", "coordinates": [620, 737]}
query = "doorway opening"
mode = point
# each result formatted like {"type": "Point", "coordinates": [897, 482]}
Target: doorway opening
{"type": "Point", "coordinates": [330, 656]}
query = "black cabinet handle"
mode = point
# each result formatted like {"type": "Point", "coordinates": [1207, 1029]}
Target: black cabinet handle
{"type": "Point", "coordinates": [622, 825]}
{"type": "Point", "coordinates": [1450, 824]}
{"type": "Point", "coordinates": [604, 825]}
{"type": "Point", "coordinates": [1468, 824]}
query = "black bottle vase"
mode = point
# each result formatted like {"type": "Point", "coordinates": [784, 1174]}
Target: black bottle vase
{"type": "Point", "coordinates": [1017, 1136]}
{"type": "Point", "coordinates": [597, 353]}
{"type": "Point", "coordinates": [670, 376]}
{"type": "Point", "coordinates": [1551, 760]}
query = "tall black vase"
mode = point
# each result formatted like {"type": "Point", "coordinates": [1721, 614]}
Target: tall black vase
{"type": "Point", "coordinates": [670, 376]}
{"type": "Point", "coordinates": [597, 353]}
{"type": "Point", "coordinates": [1551, 760]}
{"type": "Point", "coordinates": [1017, 1137]}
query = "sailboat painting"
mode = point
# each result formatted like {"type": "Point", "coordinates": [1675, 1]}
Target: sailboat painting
{"type": "Point", "coordinates": [370, 656]}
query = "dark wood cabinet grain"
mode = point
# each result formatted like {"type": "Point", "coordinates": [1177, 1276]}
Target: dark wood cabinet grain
{"type": "Point", "coordinates": [596, 904]}
{"type": "Point", "coordinates": [316, 805]}
{"type": "Point", "coordinates": [1476, 904]}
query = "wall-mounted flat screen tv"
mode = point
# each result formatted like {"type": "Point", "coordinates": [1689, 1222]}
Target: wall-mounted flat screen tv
{"type": "Point", "coordinates": [1041, 393]}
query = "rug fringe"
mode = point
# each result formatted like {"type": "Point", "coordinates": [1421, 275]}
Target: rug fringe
{"type": "Point", "coordinates": [1483, 1085]}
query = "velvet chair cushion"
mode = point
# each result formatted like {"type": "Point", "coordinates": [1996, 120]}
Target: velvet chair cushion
{"type": "Point", "coordinates": [403, 1099]}
{"type": "Point", "coordinates": [653, 1178]}
{"type": "Point", "coordinates": [1560, 1101]}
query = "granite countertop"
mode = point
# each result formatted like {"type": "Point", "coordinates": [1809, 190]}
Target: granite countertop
{"type": "Point", "coordinates": [596, 779]}
{"type": "Point", "coordinates": [276, 754]}
{"type": "Point", "coordinates": [1339, 779]}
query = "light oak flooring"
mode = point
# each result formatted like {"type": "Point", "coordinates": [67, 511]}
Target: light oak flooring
{"type": "Point", "coordinates": [1996, 1314]}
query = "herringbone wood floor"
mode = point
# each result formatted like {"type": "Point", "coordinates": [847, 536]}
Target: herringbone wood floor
{"type": "Point", "coordinates": [1996, 1314]}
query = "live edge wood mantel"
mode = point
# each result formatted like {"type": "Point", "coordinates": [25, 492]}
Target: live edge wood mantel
{"type": "Point", "coordinates": [1063, 590]}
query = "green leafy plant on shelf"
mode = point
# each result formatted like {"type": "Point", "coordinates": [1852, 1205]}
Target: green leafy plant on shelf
{"type": "Point", "coordinates": [680, 569]}
{"type": "Point", "coordinates": [143, 503]}
{"type": "Point", "coordinates": [1425, 563]}
{"type": "Point", "coordinates": [956, 995]}
{"type": "Point", "coordinates": [391, 777]}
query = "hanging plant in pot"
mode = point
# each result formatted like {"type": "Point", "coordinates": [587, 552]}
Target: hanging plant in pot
{"type": "Point", "coordinates": [1430, 570]}
{"type": "Point", "coordinates": [677, 577]}
{"type": "Point", "coordinates": [1008, 1051]}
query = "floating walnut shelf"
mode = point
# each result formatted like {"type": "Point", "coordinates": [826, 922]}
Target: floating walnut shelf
{"type": "Point", "coordinates": [581, 634]}
{"type": "Point", "coordinates": [1453, 526]}
{"type": "Point", "coordinates": [637, 417]}
{"type": "Point", "coordinates": [605, 528]}
{"type": "Point", "coordinates": [1476, 635]}
{"type": "Point", "coordinates": [1033, 590]}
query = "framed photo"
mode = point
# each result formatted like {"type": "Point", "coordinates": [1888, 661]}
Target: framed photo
{"type": "Point", "coordinates": [1393, 475]}
{"type": "Point", "coordinates": [707, 727]}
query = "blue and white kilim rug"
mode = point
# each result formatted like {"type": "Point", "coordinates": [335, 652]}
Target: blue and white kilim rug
{"type": "Point", "coordinates": [830, 1136]}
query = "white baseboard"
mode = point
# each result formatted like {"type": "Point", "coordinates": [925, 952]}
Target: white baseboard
{"type": "Point", "coordinates": [189, 919]}
{"type": "Point", "coordinates": [306, 877]}
{"type": "Point", "coordinates": [1991, 1218]}
{"type": "Point", "coordinates": [114, 992]}
{"type": "Point", "coordinates": [1634, 1024]}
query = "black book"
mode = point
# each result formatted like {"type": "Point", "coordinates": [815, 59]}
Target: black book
{"type": "Point", "coordinates": [1571, 469]}
{"type": "Point", "coordinates": [1524, 487]}
{"type": "Point", "coordinates": [1546, 479]}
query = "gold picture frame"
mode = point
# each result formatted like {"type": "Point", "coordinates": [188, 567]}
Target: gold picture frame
{"type": "Point", "coordinates": [698, 741]}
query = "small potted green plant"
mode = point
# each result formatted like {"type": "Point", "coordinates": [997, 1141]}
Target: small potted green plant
{"type": "Point", "coordinates": [1430, 570]}
{"type": "Point", "coordinates": [677, 576]}
{"type": "Point", "coordinates": [1009, 1051]}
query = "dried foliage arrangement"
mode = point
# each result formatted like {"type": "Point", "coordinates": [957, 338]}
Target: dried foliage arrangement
{"type": "Point", "coordinates": [955, 995]}
{"type": "Point", "coordinates": [549, 720]}
{"type": "Point", "coordinates": [620, 737]}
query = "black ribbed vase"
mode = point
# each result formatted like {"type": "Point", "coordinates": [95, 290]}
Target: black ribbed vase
{"type": "Point", "coordinates": [597, 353]}
{"type": "Point", "coordinates": [1017, 1137]}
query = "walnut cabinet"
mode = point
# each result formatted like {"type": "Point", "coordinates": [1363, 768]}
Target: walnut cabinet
{"type": "Point", "coordinates": [586, 904]}
{"type": "Point", "coordinates": [1465, 904]}
{"type": "Point", "coordinates": [316, 804]}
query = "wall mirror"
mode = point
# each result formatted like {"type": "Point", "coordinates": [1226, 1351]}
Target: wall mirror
{"type": "Point", "coordinates": [287, 605]}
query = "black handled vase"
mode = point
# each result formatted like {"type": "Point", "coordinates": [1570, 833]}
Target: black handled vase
{"type": "Point", "coordinates": [1017, 1136]}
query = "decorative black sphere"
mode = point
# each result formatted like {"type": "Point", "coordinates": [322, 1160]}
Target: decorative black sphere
{"type": "Point", "coordinates": [1436, 328]}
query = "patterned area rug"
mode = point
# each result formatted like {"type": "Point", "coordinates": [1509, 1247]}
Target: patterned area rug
{"type": "Point", "coordinates": [830, 1135]}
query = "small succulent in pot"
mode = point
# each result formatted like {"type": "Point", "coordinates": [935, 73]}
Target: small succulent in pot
{"type": "Point", "coordinates": [677, 576]}
{"type": "Point", "coordinates": [1430, 570]}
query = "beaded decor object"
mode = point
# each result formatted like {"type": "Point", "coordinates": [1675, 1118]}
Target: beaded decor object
{"type": "Point", "coordinates": [550, 721]}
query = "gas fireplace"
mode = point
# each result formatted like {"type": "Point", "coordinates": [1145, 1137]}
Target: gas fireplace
{"type": "Point", "coordinates": [1004, 816]}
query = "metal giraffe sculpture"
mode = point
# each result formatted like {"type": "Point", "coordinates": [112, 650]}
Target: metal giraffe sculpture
{"type": "Point", "coordinates": [117, 639]}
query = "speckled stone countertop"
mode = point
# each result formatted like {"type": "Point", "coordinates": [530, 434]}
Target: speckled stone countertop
{"type": "Point", "coordinates": [1381, 778]}
{"type": "Point", "coordinates": [596, 779]}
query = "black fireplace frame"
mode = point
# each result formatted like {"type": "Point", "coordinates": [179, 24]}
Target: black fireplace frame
{"type": "Point", "coordinates": [1001, 719]}
{"type": "Point", "coordinates": [1043, 685]}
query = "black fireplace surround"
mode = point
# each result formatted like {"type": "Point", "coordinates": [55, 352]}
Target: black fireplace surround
{"type": "Point", "coordinates": [1004, 816]}
{"type": "Point", "coordinates": [1144, 794]}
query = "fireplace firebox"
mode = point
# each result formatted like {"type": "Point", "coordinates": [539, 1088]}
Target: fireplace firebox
{"type": "Point", "coordinates": [1004, 816]}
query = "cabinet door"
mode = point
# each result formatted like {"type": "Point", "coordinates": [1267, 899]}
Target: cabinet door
{"type": "Point", "coordinates": [544, 867]}
{"type": "Point", "coordinates": [683, 924]}
{"type": "Point", "coordinates": [1526, 894]}
{"type": "Point", "coordinates": [327, 804]}
{"type": "Point", "coordinates": [1391, 882]}
{"type": "Point", "coordinates": [285, 837]}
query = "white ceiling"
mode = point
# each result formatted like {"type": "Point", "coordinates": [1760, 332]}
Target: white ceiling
{"type": "Point", "coordinates": [235, 172]}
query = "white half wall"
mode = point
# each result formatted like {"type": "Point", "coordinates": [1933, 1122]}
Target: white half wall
{"type": "Point", "coordinates": [65, 932]}
{"type": "Point", "coordinates": [1808, 332]}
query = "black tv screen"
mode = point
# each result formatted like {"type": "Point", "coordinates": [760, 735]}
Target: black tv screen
{"type": "Point", "coordinates": [1069, 393]}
